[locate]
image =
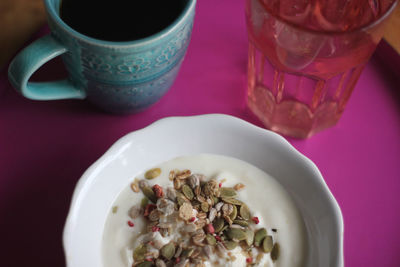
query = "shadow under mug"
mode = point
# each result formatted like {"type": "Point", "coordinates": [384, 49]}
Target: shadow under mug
{"type": "Point", "coordinates": [118, 77]}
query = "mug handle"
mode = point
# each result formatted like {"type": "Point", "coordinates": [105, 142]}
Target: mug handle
{"type": "Point", "coordinates": [31, 59]}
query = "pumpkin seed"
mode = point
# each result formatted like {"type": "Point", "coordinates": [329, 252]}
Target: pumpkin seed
{"type": "Point", "coordinates": [241, 222]}
{"type": "Point", "coordinates": [230, 245]}
{"type": "Point", "coordinates": [268, 244]}
{"type": "Point", "coordinates": [187, 191]}
{"type": "Point", "coordinates": [275, 252]}
{"type": "Point", "coordinates": [234, 213]}
{"type": "Point", "coordinates": [160, 263]}
{"type": "Point", "coordinates": [152, 173]}
{"type": "Point", "coordinates": [186, 253]}
{"type": "Point", "coordinates": [211, 239]}
{"type": "Point", "coordinates": [149, 193]}
{"type": "Point", "coordinates": [180, 198]}
{"type": "Point", "coordinates": [236, 233]}
{"type": "Point", "coordinates": [139, 252]}
{"type": "Point", "coordinates": [245, 212]}
{"type": "Point", "coordinates": [218, 224]}
{"type": "Point", "coordinates": [224, 228]}
{"type": "Point", "coordinates": [227, 192]}
{"type": "Point", "coordinates": [215, 199]}
{"type": "Point", "coordinates": [232, 201]}
{"type": "Point", "coordinates": [168, 251]}
{"type": "Point", "coordinates": [145, 264]}
{"type": "Point", "coordinates": [204, 206]}
{"type": "Point", "coordinates": [259, 236]}
{"type": "Point", "coordinates": [144, 202]}
{"type": "Point", "coordinates": [249, 237]}
{"type": "Point", "coordinates": [114, 209]}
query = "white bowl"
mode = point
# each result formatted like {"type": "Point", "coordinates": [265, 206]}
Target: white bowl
{"type": "Point", "coordinates": [216, 134]}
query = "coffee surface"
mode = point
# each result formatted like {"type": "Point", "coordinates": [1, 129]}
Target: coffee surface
{"type": "Point", "coordinates": [120, 20]}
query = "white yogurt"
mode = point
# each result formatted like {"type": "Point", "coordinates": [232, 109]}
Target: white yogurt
{"type": "Point", "coordinates": [267, 199]}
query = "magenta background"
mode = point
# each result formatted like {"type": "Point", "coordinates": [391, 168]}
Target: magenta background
{"type": "Point", "coordinates": [46, 146]}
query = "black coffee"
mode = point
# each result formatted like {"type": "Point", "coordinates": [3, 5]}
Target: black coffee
{"type": "Point", "coordinates": [120, 20]}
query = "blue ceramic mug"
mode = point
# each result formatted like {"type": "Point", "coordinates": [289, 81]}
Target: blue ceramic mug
{"type": "Point", "coordinates": [119, 77]}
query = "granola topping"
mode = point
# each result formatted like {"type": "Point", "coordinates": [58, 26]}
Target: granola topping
{"type": "Point", "coordinates": [191, 219]}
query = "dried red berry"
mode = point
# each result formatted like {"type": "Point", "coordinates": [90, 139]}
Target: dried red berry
{"type": "Point", "coordinates": [148, 259]}
{"type": "Point", "coordinates": [210, 228]}
{"type": "Point", "coordinates": [131, 224]}
{"type": "Point", "coordinates": [155, 229]}
{"type": "Point", "coordinates": [218, 238]}
{"type": "Point", "coordinates": [249, 260]}
{"type": "Point", "coordinates": [177, 260]}
{"type": "Point", "coordinates": [158, 191]}
{"type": "Point", "coordinates": [220, 185]}
{"type": "Point", "coordinates": [149, 208]}
{"type": "Point", "coordinates": [192, 219]}
{"type": "Point", "coordinates": [255, 220]}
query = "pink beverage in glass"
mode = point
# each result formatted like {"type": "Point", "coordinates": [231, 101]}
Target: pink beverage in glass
{"type": "Point", "coordinates": [305, 57]}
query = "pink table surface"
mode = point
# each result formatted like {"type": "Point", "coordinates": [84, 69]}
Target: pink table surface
{"type": "Point", "coordinates": [46, 146]}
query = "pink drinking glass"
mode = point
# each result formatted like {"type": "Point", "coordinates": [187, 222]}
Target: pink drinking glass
{"type": "Point", "coordinates": [305, 57]}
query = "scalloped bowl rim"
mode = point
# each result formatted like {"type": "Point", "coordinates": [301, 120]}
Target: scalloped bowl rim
{"type": "Point", "coordinates": [91, 173]}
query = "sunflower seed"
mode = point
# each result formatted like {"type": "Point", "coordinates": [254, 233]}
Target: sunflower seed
{"type": "Point", "coordinates": [193, 181]}
{"type": "Point", "coordinates": [197, 191]}
{"type": "Point", "coordinates": [171, 194]}
{"type": "Point", "coordinates": [207, 251]}
{"type": "Point", "coordinates": [154, 215]}
{"type": "Point", "coordinates": [219, 205]}
{"type": "Point", "coordinates": [227, 209]}
{"type": "Point", "coordinates": [221, 249]}
{"type": "Point", "coordinates": [212, 214]}
{"type": "Point", "coordinates": [152, 173]}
